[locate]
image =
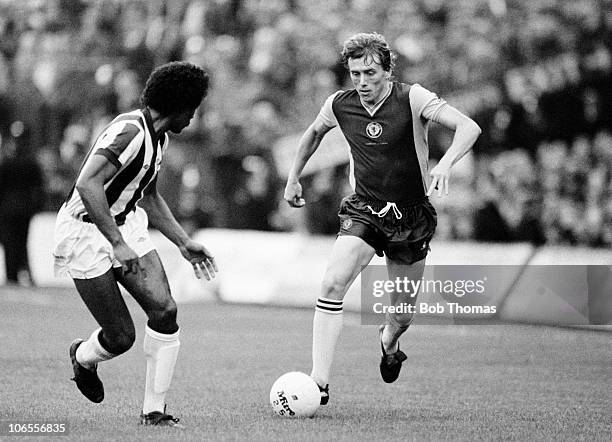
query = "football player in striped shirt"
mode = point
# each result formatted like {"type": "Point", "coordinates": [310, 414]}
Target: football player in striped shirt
{"type": "Point", "coordinates": [385, 123]}
{"type": "Point", "coordinates": [101, 237]}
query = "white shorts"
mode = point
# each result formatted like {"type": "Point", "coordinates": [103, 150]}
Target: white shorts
{"type": "Point", "coordinates": [82, 252]}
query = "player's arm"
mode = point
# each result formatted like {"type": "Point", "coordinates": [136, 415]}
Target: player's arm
{"type": "Point", "coordinates": [161, 218]}
{"type": "Point", "coordinates": [90, 185]}
{"type": "Point", "coordinates": [308, 144]}
{"type": "Point", "coordinates": [466, 134]}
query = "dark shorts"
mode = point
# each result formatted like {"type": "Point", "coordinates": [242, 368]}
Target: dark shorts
{"type": "Point", "coordinates": [405, 239]}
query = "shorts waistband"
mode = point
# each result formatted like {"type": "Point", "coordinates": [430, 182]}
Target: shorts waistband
{"type": "Point", "coordinates": [119, 220]}
{"type": "Point", "coordinates": [401, 205]}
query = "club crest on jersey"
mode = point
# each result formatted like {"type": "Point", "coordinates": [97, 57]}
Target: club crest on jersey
{"type": "Point", "coordinates": [373, 129]}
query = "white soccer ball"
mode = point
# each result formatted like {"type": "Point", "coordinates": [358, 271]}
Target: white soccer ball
{"type": "Point", "coordinates": [295, 394]}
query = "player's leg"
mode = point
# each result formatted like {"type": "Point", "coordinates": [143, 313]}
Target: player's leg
{"type": "Point", "coordinates": [349, 255]}
{"type": "Point", "coordinates": [405, 254]}
{"type": "Point", "coordinates": [151, 290]}
{"type": "Point", "coordinates": [397, 323]}
{"type": "Point", "coordinates": [116, 334]}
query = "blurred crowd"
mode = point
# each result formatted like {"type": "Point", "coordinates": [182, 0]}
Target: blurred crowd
{"type": "Point", "coordinates": [535, 74]}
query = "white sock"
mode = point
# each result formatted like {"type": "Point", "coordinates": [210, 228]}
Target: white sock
{"type": "Point", "coordinates": [161, 351]}
{"type": "Point", "coordinates": [90, 352]}
{"type": "Point", "coordinates": [326, 328]}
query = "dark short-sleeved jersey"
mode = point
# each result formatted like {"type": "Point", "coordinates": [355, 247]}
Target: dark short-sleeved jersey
{"type": "Point", "coordinates": [385, 164]}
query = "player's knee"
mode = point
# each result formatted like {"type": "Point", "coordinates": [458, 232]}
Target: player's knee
{"type": "Point", "coordinates": [333, 287]}
{"type": "Point", "coordinates": [401, 320]}
{"type": "Point", "coordinates": [163, 318]}
{"type": "Point", "coordinates": [120, 341]}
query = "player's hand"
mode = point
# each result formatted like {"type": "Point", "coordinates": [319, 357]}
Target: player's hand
{"type": "Point", "coordinates": [201, 259]}
{"type": "Point", "coordinates": [128, 259]}
{"type": "Point", "coordinates": [293, 194]}
{"type": "Point", "coordinates": [440, 176]}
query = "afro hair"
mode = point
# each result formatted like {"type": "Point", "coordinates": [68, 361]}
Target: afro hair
{"type": "Point", "coordinates": [175, 87]}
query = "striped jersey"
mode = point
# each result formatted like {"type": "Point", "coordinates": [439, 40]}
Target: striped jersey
{"type": "Point", "coordinates": [388, 141]}
{"type": "Point", "coordinates": [130, 143]}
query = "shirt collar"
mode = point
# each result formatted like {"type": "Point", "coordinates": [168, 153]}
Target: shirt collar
{"type": "Point", "coordinates": [149, 121]}
{"type": "Point", "coordinates": [373, 108]}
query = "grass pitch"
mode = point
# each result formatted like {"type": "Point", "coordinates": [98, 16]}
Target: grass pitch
{"type": "Point", "coordinates": [497, 382]}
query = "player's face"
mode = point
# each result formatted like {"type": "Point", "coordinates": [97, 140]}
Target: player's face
{"type": "Point", "coordinates": [181, 120]}
{"type": "Point", "coordinates": [369, 78]}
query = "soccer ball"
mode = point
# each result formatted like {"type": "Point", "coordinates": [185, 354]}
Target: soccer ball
{"type": "Point", "coordinates": [295, 394]}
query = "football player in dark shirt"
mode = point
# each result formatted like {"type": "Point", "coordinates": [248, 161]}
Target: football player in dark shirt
{"type": "Point", "coordinates": [385, 123]}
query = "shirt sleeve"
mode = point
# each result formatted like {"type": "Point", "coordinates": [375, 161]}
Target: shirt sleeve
{"type": "Point", "coordinates": [427, 104]}
{"type": "Point", "coordinates": [119, 142]}
{"type": "Point", "coordinates": [326, 114]}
